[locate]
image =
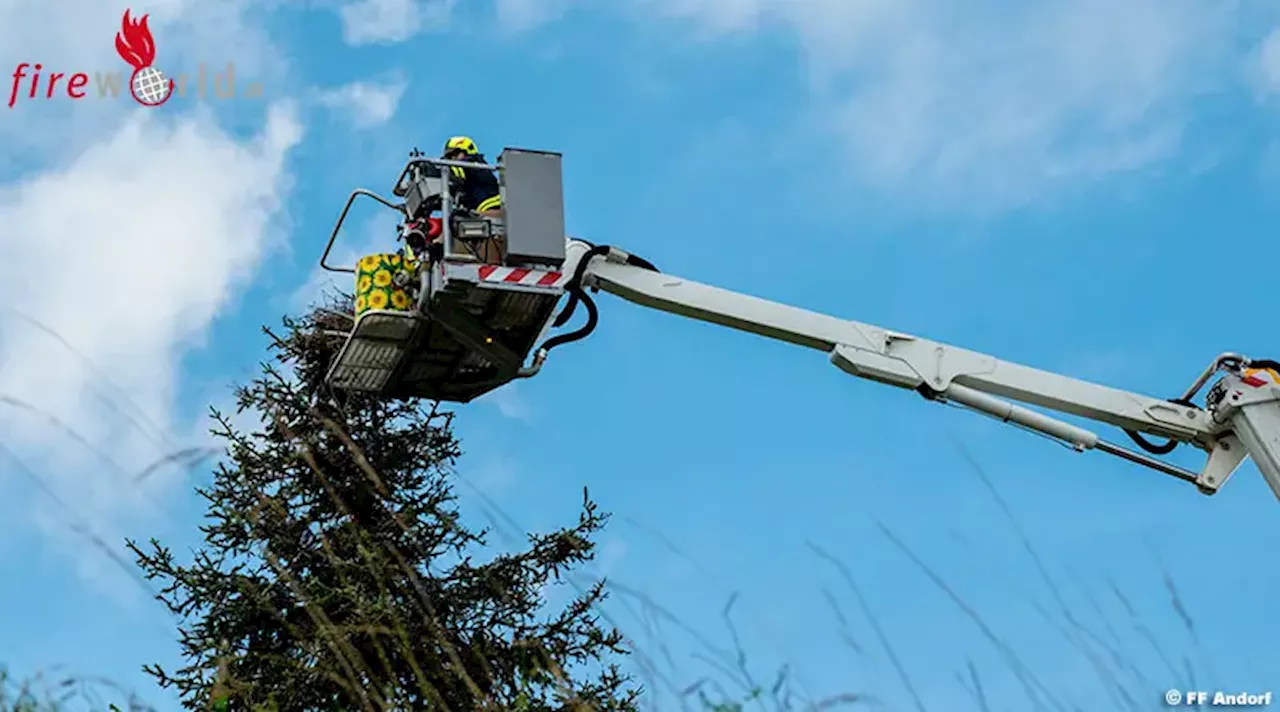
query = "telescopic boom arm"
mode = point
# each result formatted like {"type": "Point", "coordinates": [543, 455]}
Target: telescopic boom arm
{"type": "Point", "coordinates": [474, 320]}
{"type": "Point", "coordinates": [1241, 417]}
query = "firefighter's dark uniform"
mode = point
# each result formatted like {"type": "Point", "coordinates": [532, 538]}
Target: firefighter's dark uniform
{"type": "Point", "coordinates": [476, 188]}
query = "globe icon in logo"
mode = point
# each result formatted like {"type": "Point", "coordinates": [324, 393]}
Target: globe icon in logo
{"type": "Point", "coordinates": [149, 86]}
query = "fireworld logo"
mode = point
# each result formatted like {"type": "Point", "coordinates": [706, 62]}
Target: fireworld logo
{"type": "Point", "coordinates": [147, 84]}
{"type": "Point", "coordinates": [135, 46]}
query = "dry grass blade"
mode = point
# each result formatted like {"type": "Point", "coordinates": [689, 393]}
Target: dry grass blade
{"type": "Point", "coordinates": [885, 643]}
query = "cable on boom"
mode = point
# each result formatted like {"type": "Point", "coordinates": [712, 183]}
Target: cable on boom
{"type": "Point", "coordinates": [578, 294]}
{"type": "Point", "coordinates": [574, 287]}
{"type": "Point", "coordinates": [575, 283]}
{"type": "Point", "coordinates": [1170, 445]}
{"type": "Point", "coordinates": [1163, 448]}
{"type": "Point", "coordinates": [593, 318]}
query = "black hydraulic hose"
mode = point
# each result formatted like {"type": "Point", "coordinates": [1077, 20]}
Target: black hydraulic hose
{"type": "Point", "coordinates": [1161, 449]}
{"type": "Point", "coordinates": [641, 262]}
{"type": "Point", "coordinates": [575, 284]}
{"type": "Point", "coordinates": [576, 281]}
{"type": "Point", "coordinates": [1168, 447]}
{"type": "Point", "coordinates": [593, 318]}
{"type": "Point", "coordinates": [578, 294]}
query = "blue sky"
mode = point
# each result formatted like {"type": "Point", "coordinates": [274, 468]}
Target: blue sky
{"type": "Point", "coordinates": [1086, 187]}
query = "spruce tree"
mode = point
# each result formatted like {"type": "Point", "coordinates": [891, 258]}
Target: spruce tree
{"type": "Point", "coordinates": [336, 572]}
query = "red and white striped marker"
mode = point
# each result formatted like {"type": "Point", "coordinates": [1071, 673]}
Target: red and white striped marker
{"type": "Point", "coordinates": [520, 275]}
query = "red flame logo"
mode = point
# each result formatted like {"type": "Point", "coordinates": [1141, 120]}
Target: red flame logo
{"type": "Point", "coordinates": [135, 45]}
{"type": "Point", "coordinates": [134, 42]}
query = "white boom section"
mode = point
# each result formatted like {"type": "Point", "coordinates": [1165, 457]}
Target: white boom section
{"type": "Point", "coordinates": [900, 359]}
{"type": "Point", "coordinates": [953, 374]}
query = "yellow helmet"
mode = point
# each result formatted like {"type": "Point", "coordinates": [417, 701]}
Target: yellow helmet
{"type": "Point", "coordinates": [461, 143]}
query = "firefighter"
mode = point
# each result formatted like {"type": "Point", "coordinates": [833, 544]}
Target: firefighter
{"type": "Point", "coordinates": [472, 189]}
{"type": "Point", "coordinates": [477, 188]}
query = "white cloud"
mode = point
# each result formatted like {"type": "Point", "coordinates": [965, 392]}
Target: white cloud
{"type": "Point", "coordinates": [522, 15]}
{"type": "Point", "coordinates": [991, 104]}
{"type": "Point", "coordinates": [128, 253]}
{"type": "Point", "coordinates": [509, 401]}
{"type": "Point", "coordinates": [1269, 61]}
{"type": "Point", "coordinates": [982, 106]}
{"type": "Point", "coordinates": [391, 21]}
{"type": "Point", "coordinates": [126, 232]}
{"type": "Point", "coordinates": [369, 104]}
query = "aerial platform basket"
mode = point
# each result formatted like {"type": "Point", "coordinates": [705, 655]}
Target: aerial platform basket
{"type": "Point", "coordinates": [460, 320]}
